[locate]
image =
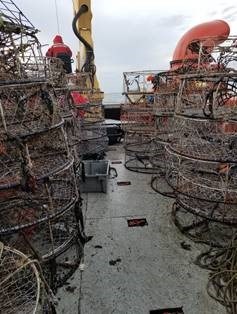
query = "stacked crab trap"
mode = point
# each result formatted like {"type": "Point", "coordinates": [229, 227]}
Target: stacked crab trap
{"type": "Point", "coordinates": [201, 156]}
{"type": "Point", "coordinates": [195, 105]}
{"type": "Point", "coordinates": [165, 95]}
{"type": "Point", "coordinates": [39, 207]}
{"type": "Point", "coordinates": [88, 117]}
{"type": "Point", "coordinates": [138, 121]}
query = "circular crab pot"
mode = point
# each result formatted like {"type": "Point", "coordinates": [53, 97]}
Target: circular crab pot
{"type": "Point", "coordinates": [164, 102]}
{"type": "Point", "coordinates": [35, 201]}
{"type": "Point", "coordinates": [208, 95]}
{"type": "Point", "coordinates": [20, 285]}
{"type": "Point", "coordinates": [41, 155]}
{"type": "Point", "coordinates": [47, 239]}
{"type": "Point", "coordinates": [159, 184]}
{"type": "Point", "coordinates": [205, 139]}
{"type": "Point", "coordinates": [201, 230]}
{"type": "Point", "coordinates": [138, 155]}
{"type": "Point", "coordinates": [219, 212]}
{"type": "Point", "coordinates": [93, 141]}
{"type": "Point", "coordinates": [60, 268]}
{"type": "Point", "coordinates": [164, 128]}
{"type": "Point", "coordinates": [138, 118]}
{"type": "Point", "coordinates": [204, 180]}
{"type": "Point", "coordinates": [27, 108]}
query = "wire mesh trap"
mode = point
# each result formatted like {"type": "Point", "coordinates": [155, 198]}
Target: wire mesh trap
{"type": "Point", "coordinates": [165, 97]}
{"type": "Point", "coordinates": [73, 132]}
{"type": "Point", "coordinates": [55, 73]}
{"type": "Point", "coordinates": [48, 239]}
{"type": "Point", "coordinates": [201, 230]}
{"type": "Point", "coordinates": [20, 285]}
{"type": "Point", "coordinates": [201, 158]}
{"type": "Point", "coordinates": [36, 156]}
{"type": "Point", "coordinates": [64, 101]}
{"type": "Point", "coordinates": [164, 103]}
{"type": "Point", "coordinates": [209, 95]}
{"type": "Point", "coordinates": [201, 179]}
{"type": "Point", "coordinates": [138, 153]}
{"type": "Point", "coordinates": [89, 113]}
{"type": "Point", "coordinates": [164, 128]}
{"type": "Point", "coordinates": [166, 87]}
{"type": "Point", "coordinates": [160, 185]}
{"type": "Point", "coordinates": [201, 153]}
{"type": "Point", "coordinates": [158, 160]}
{"type": "Point", "coordinates": [93, 141]}
{"type": "Point", "coordinates": [59, 269]}
{"type": "Point", "coordinates": [138, 118]}
{"type": "Point", "coordinates": [27, 109]}
{"type": "Point", "coordinates": [89, 138]}
{"type": "Point", "coordinates": [207, 189]}
{"type": "Point", "coordinates": [37, 201]}
{"type": "Point", "coordinates": [38, 192]}
{"type": "Point", "coordinates": [138, 86]}
{"type": "Point", "coordinates": [205, 139]}
{"type": "Point", "coordinates": [72, 123]}
{"type": "Point", "coordinates": [21, 56]}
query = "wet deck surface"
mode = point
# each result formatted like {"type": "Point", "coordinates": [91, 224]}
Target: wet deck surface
{"type": "Point", "coordinates": [135, 270]}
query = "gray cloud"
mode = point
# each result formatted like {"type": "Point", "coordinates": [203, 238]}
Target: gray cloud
{"type": "Point", "coordinates": [227, 9]}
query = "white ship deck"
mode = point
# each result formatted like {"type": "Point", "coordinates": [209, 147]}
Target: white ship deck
{"type": "Point", "coordinates": [151, 270]}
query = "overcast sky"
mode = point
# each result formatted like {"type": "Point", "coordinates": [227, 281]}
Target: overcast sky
{"type": "Point", "coordinates": [129, 35]}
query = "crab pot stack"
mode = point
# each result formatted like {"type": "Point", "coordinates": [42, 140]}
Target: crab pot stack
{"type": "Point", "coordinates": [201, 157]}
{"type": "Point", "coordinates": [138, 121]}
{"type": "Point", "coordinates": [93, 136]}
{"type": "Point", "coordinates": [89, 133]}
{"type": "Point", "coordinates": [165, 96]}
{"type": "Point", "coordinates": [39, 206]}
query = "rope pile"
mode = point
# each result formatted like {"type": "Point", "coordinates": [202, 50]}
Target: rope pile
{"type": "Point", "coordinates": [222, 282]}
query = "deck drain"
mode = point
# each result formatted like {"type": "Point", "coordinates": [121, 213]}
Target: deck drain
{"type": "Point", "coordinates": [116, 162]}
{"type": "Point", "coordinates": [138, 222]}
{"type": "Point", "coordinates": [120, 183]}
{"type": "Point", "coordinates": [174, 310]}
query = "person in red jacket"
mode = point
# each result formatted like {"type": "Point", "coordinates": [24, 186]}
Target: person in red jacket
{"type": "Point", "coordinates": [61, 51]}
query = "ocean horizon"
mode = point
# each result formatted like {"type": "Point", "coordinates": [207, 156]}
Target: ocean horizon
{"type": "Point", "coordinates": [113, 98]}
